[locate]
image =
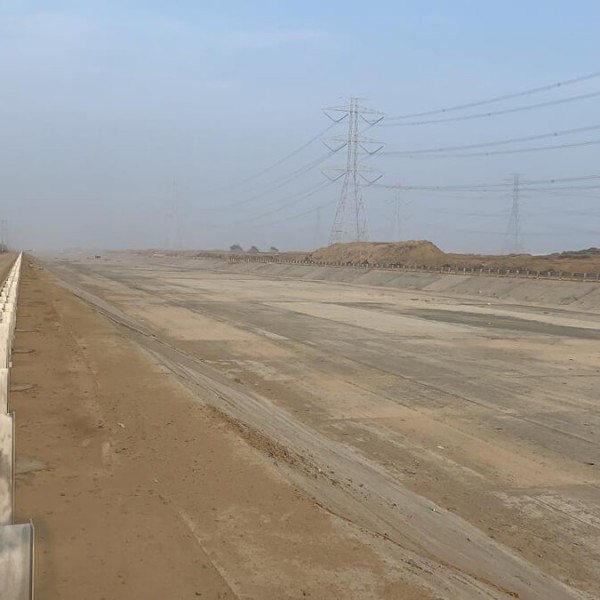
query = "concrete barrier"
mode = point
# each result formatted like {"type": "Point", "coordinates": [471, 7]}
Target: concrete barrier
{"type": "Point", "coordinates": [16, 562]}
{"type": "Point", "coordinates": [5, 344]}
{"type": "Point", "coordinates": [16, 541]}
{"type": "Point", "coordinates": [7, 468]}
{"type": "Point", "coordinates": [4, 387]}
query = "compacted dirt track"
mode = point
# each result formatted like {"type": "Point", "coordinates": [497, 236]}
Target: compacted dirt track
{"type": "Point", "coordinates": [455, 441]}
{"type": "Point", "coordinates": [137, 491]}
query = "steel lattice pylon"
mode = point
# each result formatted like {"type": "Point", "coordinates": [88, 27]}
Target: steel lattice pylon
{"type": "Point", "coordinates": [350, 223]}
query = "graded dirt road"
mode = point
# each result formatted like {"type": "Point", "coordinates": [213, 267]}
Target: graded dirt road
{"type": "Point", "coordinates": [456, 439]}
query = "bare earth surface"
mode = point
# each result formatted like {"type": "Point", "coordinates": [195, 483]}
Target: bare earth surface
{"type": "Point", "coordinates": [139, 492]}
{"type": "Point", "coordinates": [378, 443]}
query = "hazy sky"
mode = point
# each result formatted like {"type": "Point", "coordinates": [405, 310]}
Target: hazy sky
{"type": "Point", "coordinates": [104, 105]}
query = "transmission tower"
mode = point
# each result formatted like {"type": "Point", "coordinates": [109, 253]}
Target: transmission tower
{"type": "Point", "coordinates": [513, 232]}
{"type": "Point", "coordinates": [173, 241]}
{"type": "Point", "coordinates": [318, 236]}
{"type": "Point", "coordinates": [350, 223]}
{"type": "Point", "coordinates": [398, 220]}
{"type": "Point", "coordinates": [3, 236]}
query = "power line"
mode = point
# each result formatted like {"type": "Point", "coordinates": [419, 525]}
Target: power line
{"type": "Point", "coordinates": [310, 211]}
{"type": "Point", "coordinates": [479, 186]}
{"type": "Point", "coordinates": [290, 200]}
{"type": "Point", "coordinates": [279, 162]}
{"type": "Point", "coordinates": [497, 112]}
{"type": "Point", "coordinates": [282, 181]}
{"type": "Point", "coordinates": [543, 88]}
{"type": "Point", "coordinates": [528, 138]}
{"type": "Point", "coordinates": [515, 151]}
{"type": "Point", "coordinates": [523, 234]}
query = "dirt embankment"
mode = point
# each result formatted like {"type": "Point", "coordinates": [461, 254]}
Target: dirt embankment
{"type": "Point", "coordinates": [426, 254]}
{"type": "Point", "coordinates": [420, 253]}
{"type": "Point", "coordinates": [413, 252]}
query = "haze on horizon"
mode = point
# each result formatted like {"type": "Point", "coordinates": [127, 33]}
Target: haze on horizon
{"type": "Point", "coordinates": [135, 124]}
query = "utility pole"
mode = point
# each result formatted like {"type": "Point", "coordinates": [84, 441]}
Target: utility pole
{"type": "Point", "coordinates": [173, 224]}
{"type": "Point", "coordinates": [317, 237]}
{"type": "Point", "coordinates": [350, 223]}
{"type": "Point", "coordinates": [513, 232]}
{"type": "Point", "coordinates": [3, 240]}
{"type": "Point", "coordinates": [397, 220]}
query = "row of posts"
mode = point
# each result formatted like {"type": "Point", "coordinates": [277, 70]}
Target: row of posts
{"type": "Point", "coordinates": [525, 273]}
{"type": "Point", "coordinates": [16, 540]}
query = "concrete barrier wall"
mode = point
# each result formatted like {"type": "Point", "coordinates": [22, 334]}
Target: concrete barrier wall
{"type": "Point", "coordinates": [16, 562]}
{"type": "Point", "coordinates": [7, 468]}
{"type": "Point", "coordinates": [4, 387]}
{"type": "Point", "coordinates": [16, 541]}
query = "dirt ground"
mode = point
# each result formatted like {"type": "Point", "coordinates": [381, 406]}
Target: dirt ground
{"type": "Point", "coordinates": [137, 490]}
{"type": "Point", "coordinates": [459, 435]}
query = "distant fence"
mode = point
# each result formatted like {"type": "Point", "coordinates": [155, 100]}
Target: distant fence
{"type": "Point", "coordinates": [16, 541]}
{"type": "Point", "coordinates": [447, 270]}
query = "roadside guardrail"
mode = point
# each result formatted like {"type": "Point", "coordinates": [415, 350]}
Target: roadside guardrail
{"type": "Point", "coordinates": [16, 540]}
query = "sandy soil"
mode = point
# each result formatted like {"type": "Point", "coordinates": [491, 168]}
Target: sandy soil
{"type": "Point", "coordinates": [137, 490]}
{"type": "Point", "coordinates": [462, 436]}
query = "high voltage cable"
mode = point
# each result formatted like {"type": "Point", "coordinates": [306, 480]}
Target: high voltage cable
{"type": "Point", "coordinates": [516, 151]}
{"type": "Point", "coordinates": [523, 234]}
{"type": "Point", "coordinates": [280, 161]}
{"type": "Point", "coordinates": [477, 186]}
{"type": "Point", "coordinates": [298, 215]}
{"type": "Point", "coordinates": [282, 182]}
{"type": "Point", "coordinates": [495, 190]}
{"type": "Point", "coordinates": [290, 200]}
{"type": "Point", "coordinates": [543, 88]}
{"type": "Point", "coordinates": [528, 138]}
{"type": "Point", "coordinates": [495, 113]}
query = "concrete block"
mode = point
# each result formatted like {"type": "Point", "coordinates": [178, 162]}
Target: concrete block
{"type": "Point", "coordinates": [4, 387]}
{"type": "Point", "coordinates": [4, 351]}
{"type": "Point", "coordinates": [16, 562]}
{"type": "Point", "coordinates": [7, 468]}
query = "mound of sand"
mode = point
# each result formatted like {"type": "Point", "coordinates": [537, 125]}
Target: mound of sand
{"type": "Point", "coordinates": [418, 252]}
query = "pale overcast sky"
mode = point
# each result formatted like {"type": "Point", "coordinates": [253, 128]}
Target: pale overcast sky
{"type": "Point", "coordinates": [104, 105]}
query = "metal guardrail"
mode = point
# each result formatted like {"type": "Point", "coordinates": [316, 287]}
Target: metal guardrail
{"type": "Point", "coordinates": [16, 541]}
{"type": "Point", "coordinates": [472, 271]}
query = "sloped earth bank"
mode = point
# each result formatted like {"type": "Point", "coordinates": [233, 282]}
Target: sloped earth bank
{"type": "Point", "coordinates": [139, 490]}
{"type": "Point", "coordinates": [575, 295]}
{"type": "Point", "coordinates": [419, 252]}
{"type": "Point", "coordinates": [461, 434]}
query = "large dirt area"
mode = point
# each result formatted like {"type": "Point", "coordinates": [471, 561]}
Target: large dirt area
{"type": "Point", "coordinates": [197, 429]}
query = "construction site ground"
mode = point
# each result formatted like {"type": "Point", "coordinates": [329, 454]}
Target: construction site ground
{"type": "Point", "coordinates": [190, 429]}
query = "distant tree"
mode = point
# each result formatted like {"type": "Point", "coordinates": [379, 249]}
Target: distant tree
{"type": "Point", "coordinates": [273, 249]}
{"type": "Point", "coordinates": [236, 248]}
{"type": "Point", "coordinates": [253, 249]}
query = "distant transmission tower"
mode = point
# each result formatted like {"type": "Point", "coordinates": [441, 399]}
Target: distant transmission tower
{"type": "Point", "coordinates": [513, 232]}
{"type": "Point", "coordinates": [399, 202]}
{"type": "Point", "coordinates": [318, 236]}
{"type": "Point", "coordinates": [3, 236]}
{"type": "Point", "coordinates": [173, 222]}
{"type": "Point", "coordinates": [350, 223]}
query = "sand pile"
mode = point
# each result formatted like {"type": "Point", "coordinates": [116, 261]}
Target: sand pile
{"type": "Point", "coordinates": [418, 252]}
